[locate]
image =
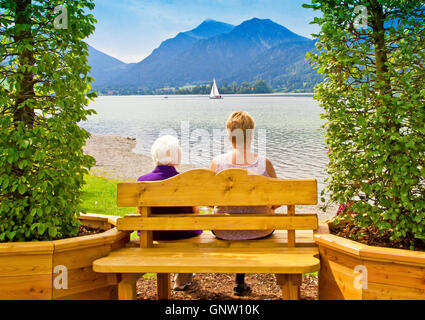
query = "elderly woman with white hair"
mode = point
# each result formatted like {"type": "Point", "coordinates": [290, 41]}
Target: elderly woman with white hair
{"type": "Point", "coordinates": [166, 154]}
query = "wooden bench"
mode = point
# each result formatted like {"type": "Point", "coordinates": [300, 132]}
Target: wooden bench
{"type": "Point", "coordinates": [279, 254]}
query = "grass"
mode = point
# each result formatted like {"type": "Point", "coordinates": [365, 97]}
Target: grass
{"type": "Point", "coordinates": [100, 196]}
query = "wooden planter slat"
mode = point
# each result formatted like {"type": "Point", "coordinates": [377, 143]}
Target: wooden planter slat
{"type": "Point", "coordinates": [396, 274]}
{"type": "Point", "coordinates": [379, 291]}
{"type": "Point", "coordinates": [391, 273]}
{"type": "Point", "coordinates": [26, 287]}
{"type": "Point", "coordinates": [27, 269]}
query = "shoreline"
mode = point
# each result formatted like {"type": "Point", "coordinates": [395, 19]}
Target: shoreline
{"type": "Point", "coordinates": [116, 160]}
{"type": "Point", "coordinates": [229, 95]}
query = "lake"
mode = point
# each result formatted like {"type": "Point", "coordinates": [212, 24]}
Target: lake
{"type": "Point", "coordinates": [288, 127]}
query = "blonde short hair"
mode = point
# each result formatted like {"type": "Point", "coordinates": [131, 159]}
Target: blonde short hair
{"type": "Point", "coordinates": [166, 151]}
{"type": "Point", "coordinates": [240, 120]}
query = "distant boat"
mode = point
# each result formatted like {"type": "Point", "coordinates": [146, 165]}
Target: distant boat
{"type": "Point", "coordinates": [214, 92]}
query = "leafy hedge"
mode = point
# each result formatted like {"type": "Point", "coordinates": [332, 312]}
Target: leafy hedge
{"type": "Point", "coordinates": [42, 164]}
{"type": "Point", "coordinates": [374, 101]}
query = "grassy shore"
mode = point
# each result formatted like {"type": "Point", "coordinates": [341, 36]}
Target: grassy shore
{"type": "Point", "coordinates": [100, 196]}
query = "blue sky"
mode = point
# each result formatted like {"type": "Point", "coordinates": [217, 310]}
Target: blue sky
{"type": "Point", "coordinates": [130, 29]}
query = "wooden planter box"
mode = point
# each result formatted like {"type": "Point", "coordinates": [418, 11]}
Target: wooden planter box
{"type": "Point", "coordinates": [355, 271]}
{"type": "Point", "coordinates": [36, 270]}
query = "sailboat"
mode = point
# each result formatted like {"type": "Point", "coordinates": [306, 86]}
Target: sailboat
{"type": "Point", "coordinates": [214, 91]}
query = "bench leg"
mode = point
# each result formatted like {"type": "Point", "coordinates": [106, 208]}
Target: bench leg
{"type": "Point", "coordinates": [163, 286]}
{"type": "Point", "coordinates": [127, 286]}
{"type": "Point", "coordinates": [290, 284]}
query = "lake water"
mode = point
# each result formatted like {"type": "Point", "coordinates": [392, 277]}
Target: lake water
{"type": "Point", "coordinates": [288, 128]}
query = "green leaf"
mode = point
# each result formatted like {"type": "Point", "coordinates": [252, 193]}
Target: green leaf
{"type": "Point", "coordinates": [11, 235]}
{"type": "Point", "coordinates": [22, 189]}
{"type": "Point", "coordinates": [53, 232]}
{"type": "Point", "coordinates": [41, 228]}
{"type": "Point", "coordinates": [420, 236]}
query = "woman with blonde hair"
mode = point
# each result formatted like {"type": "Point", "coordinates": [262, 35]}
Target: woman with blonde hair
{"type": "Point", "coordinates": [240, 127]}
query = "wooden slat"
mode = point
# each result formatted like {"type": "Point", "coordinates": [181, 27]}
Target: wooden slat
{"type": "Point", "coordinates": [26, 287]}
{"type": "Point", "coordinates": [208, 240]}
{"type": "Point", "coordinates": [210, 260]}
{"type": "Point", "coordinates": [26, 248]}
{"type": "Point", "coordinates": [127, 286]}
{"type": "Point", "coordinates": [379, 291]}
{"type": "Point", "coordinates": [104, 293]}
{"type": "Point", "coordinates": [291, 233]}
{"type": "Point", "coordinates": [146, 236]}
{"type": "Point", "coordinates": [290, 284]}
{"type": "Point", "coordinates": [80, 281]}
{"type": "Point", "coordinates": [370, 253]}
{"type": "Point", "coordinates": [26, 270]}
{"type": "Point", "coordinates": [337, 276]}
{"type": "Point", "coordinates": [401, 275]}
{"type": "Point", "coordinates": [163, 286]}
{"type": "Point", "coordinates": [392, 255]}
{"type": "Point", "coordinates": [202, 187]}
{"type": "Point", "coordinates": [219, 222]}
{"type": "Point", "coordinates": [339, 244]}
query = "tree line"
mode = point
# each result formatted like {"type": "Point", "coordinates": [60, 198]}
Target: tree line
{"type": "Point", "coordinates": [259, 86]}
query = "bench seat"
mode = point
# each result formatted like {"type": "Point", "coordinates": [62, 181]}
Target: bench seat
{"type": "Point", "coordinates": [207, 239]}
{"type": "Point", "coordinates": [210, 260]}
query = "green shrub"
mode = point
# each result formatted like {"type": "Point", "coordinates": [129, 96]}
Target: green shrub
{"type": "Point", "coordinates": [374, 101]}
{"type": "Point", "coordinates": [42, 164]}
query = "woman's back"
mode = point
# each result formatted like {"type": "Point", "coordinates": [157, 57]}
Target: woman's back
{"type": "Point", "coordinates": [259, 167]}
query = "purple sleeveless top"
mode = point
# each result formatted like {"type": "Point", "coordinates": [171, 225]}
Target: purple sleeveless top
{"type": "Point", "coordinates": [162, 173]}
{"type": "Point", "coordinates": [224, 162]}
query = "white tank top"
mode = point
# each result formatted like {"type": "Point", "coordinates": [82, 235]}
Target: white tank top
{"type": "Point", "coordinates": [224, 162]}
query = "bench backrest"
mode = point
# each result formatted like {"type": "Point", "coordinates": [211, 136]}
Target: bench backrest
{"type": "Point", "coordinates": [202, 187]}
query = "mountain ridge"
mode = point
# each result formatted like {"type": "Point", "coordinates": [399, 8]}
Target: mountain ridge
{"type": "Point", "coordinates": [256, 49]}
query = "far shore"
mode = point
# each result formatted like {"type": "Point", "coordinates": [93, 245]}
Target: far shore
{"type": "Point", "coordinates": [115, 159]}
{"type": "Point", "coordinates": [274, 94]}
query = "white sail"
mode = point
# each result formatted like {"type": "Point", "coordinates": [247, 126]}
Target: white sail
{"type": "Point", "coordinates": [214, 91]}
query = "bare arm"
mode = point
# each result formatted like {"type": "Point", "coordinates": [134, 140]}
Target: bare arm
{"type": "Point", "coordinates": [270, 169]}
{"type": "Point", "coordinates": [213, 166]}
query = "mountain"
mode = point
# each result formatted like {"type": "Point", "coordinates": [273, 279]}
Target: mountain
{"type": "Point", "coordinates": [148, 73]}
{"type": "Point", "coordinates": [255, 49]}
{"type": "Point", "coordinates": [104, 66]}
{"type": "Point", "coordinates": [283, 66]}
{"type": "Point", "coordinates": [210, 28]}
{"type": "Point", "coordinates": [185, 40]}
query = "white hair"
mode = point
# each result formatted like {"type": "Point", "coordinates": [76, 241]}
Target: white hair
{"type": "Point", "coordinates": [166, 151]}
